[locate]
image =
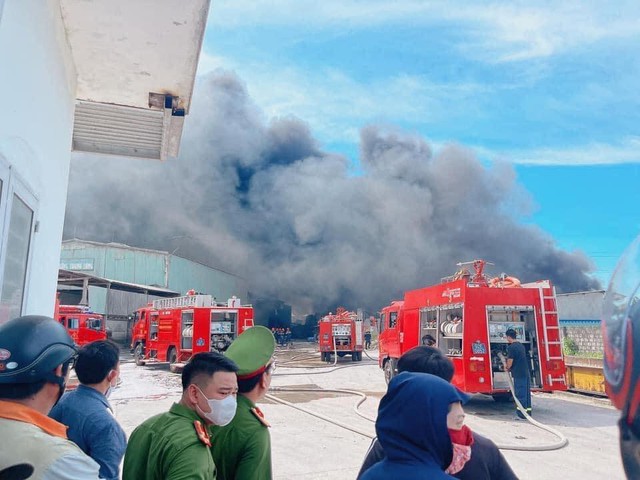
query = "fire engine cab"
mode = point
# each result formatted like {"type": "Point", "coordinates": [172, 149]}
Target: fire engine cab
{"type": "Point", "coordinates": [83, 325]}
{"type": "Point", "coordinates": [341, 334]}
{"type": "Point", "coordinates": [173, 329]}
{"type": "Point", "coordinates": [467, 317]}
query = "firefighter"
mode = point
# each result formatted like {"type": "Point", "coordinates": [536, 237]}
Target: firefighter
{"type": "Point", "coordinates": [242, 449]}
{"type": "Point", "coordinates": [518, 367]}
{"type": "Point", "coordinates": [175, 445]}
{"type": "Point", "coordinates": [35, 356]}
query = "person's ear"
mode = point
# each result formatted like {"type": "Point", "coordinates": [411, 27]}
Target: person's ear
{"type": "Point", "coordinates": [192, 394]}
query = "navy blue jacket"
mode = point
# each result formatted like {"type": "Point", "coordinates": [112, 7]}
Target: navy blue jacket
{"type": "Point", "coordinates": [93, 428]}
{"type": "Point", "coordinates": [412, 429]}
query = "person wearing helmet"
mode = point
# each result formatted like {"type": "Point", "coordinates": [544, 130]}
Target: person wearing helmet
{"type": "Point", "coordinates": [35, 355]}
{"type": "Point", "coordinates": [621, 335]}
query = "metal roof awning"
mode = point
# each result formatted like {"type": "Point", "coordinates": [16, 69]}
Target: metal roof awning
{"type": "Point", "coordinates": [136, 64]}
{"type": "Point", "coordinates": [76, 279]}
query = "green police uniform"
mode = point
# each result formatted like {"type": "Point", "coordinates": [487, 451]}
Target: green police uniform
{"type": "Point", "coordinates": [170, 446]}
{"type": "Point", "coordinates": [242, 449]}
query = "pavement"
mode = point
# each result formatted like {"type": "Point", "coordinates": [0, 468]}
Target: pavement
{"type": "Point", "coordinates": [307, 447]}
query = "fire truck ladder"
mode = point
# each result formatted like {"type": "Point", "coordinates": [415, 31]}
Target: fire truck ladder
{"type": "Point", "coordinates": [547, 316]}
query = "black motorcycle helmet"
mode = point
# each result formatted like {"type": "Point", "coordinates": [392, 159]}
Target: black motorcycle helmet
{"type": "Point", "coordinates": [31, 347]}
{"type": "Point", "coordinates": [621, 335]}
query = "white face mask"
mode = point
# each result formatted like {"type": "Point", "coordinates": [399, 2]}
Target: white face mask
{"type": "Point", "coordinates": [112, 386]}
{"type": "Point", "coordinates": [222, 411]}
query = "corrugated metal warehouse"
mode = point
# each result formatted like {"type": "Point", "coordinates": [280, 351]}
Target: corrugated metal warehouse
{"type": "Point", "coordinates": [141, 267]}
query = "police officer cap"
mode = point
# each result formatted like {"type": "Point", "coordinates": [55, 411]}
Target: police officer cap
{"type": "Point", "coordinates": [31, 347]}
{"type": "Point", "coordinates": [252, 351]}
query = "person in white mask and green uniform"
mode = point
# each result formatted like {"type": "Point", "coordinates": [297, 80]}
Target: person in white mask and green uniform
{"type": "Point", "coordinates": [176, 444]}
{"type": "Point", "coordinates": [242, 449]}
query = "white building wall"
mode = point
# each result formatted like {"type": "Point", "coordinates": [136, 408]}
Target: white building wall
{"type": "Point", "coordinates": [36, 124]}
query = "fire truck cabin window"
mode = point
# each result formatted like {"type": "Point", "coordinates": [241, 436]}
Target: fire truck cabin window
{"type": "Point", "coordinates": [94, 323]}
{"type": "Point", "coordinates": [393, 319]}
{"type": "Point", "coordinates": [382, 321]}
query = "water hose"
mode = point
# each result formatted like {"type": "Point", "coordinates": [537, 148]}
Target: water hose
{"type": "Point", "coordinates": [561, 443]}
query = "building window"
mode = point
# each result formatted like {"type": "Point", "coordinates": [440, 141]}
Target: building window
{"type": "Point", "coordinates": [18, 213]}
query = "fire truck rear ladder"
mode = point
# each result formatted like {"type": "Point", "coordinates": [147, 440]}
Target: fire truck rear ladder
{"type": "Point", "coordinates": [544, 313]}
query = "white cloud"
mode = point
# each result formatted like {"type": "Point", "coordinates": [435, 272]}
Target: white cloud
{"type": "Point", "coordinates": [595, 153]}
{"type": "Point", "coordinates": [492, 31]}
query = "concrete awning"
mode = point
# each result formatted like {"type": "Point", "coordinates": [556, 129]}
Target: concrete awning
{"type": "Point", "coordinates": [136, 63]}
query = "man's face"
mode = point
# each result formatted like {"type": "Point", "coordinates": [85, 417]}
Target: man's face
{"type": "Point", "coordinates": [455, 417]}
{"type": "Point", "coordinates": [221, 385]}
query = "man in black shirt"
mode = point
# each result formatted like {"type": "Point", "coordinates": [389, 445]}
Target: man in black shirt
{"type": "Point", "coordinates": [519, 368]}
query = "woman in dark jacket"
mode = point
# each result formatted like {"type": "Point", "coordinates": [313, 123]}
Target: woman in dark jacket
{"type": "Point", "coordinates": [412, 429]}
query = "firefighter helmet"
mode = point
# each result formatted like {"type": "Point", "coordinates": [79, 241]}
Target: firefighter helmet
{"type": "Point", "coordinates": [621, 335]}
{"type": "Point", "coordinates": [31, 347]}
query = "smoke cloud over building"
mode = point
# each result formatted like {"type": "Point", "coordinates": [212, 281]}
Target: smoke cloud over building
{"type": "Point", "coordinates": [260, 198]}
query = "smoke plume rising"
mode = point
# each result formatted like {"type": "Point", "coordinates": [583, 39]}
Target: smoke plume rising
{"type": "Point", "coordinates": [258, 197]}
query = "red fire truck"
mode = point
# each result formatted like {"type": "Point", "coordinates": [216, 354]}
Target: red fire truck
{"type": "Point", "coordinates": [341, 333]}
{"type": "Point", "coordinates": [83, 325]}
{"type": "Point", "coordinates": [467, 316]}
{"type": "Point", "coordinates": [173, 329]}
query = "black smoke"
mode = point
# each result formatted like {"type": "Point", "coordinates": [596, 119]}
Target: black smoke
{"type": "Point", "coordinates": [260, 198]}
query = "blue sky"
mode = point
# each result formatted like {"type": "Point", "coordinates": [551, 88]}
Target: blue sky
{"type": "Point", "coordinates": [552, 87]}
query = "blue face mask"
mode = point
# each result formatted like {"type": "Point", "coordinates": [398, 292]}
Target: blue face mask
{"type": "Point", "coordinates": [222, 411]}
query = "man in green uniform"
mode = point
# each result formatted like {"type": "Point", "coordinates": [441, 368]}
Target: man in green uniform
{"type": "Point", "coordinates": [175, 445]}
{"type": "Point", "coordinates": [242, 449]}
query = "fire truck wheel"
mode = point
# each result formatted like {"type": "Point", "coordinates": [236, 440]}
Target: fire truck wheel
{"type": "Point", "coordinates": [138, 355]}
{"type": "Point", "coordinates": [359, 356]}
{"type": "Point", "coordinates": [389, 370]}
{"type": "Point", "coordinates": [172, 357]}
{"type": "Point", "coordinates": [354, 356]}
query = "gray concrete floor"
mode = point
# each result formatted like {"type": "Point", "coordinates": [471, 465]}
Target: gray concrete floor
{"type": "Point", "coordinates": [306, 447]}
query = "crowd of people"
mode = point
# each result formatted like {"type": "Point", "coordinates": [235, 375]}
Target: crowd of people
{"type": "Point", "coordinates": [282, 336]}
{"type": "Point", "coordinates": [215, 430]}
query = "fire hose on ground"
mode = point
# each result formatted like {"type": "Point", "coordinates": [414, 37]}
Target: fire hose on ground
{"type": "Point", "coordinates": [561, 443]}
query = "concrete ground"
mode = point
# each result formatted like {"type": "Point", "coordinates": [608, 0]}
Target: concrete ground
{"type": "Point", "coordinates": [307, 447]}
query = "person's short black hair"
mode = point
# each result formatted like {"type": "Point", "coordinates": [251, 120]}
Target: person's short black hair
{"type": "Point", "coordinates": [20, 391]}
{"type": "Point", "coordinates": [206, 364]}
{"type": "Point", "coordinates": [428, 338]}
{"type": "Point", "coordinates": [424, 359]}
{"type": "Point", "coordinates": [95, 360]}
{"type": "Point", "coordinates": [511, 333]}
{"type": "Point", "coordinates": [248, 384]}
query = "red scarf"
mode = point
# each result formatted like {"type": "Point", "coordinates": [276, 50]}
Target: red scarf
{"type": "Point", "coordinates": [462, 440]}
